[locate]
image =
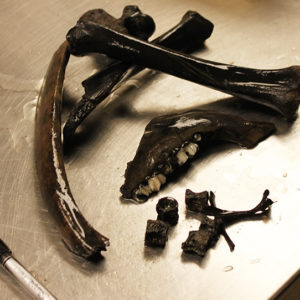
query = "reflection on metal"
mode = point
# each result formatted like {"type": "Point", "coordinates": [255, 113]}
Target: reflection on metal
{"type": "Point", "coordinates": [249, 33]}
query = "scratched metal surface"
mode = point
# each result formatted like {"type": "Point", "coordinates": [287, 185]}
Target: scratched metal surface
{"type": "Point", "coordinates": [261, 34]}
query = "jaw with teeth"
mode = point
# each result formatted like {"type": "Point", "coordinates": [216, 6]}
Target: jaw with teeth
{"type": "Point", "coordinates": [170, 141]}
{"type": "Point", "coordinates": [154, 183]}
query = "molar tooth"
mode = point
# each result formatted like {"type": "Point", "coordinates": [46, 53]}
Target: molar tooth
{"type": "Point", "coordinates": [181, 157]}
{"type": "Point", "coordinates": [197, 137]}
{"type": "Point", "coordinates": [154, 183]}
{"type": "Point", "coordinates": [191, 149]}
{"type": "Point", "coordinates": [162, 178]}
{"type": "Point", "coordinates": [144, 190]}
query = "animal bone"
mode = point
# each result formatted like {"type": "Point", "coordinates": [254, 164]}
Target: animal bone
{"type": "Point", "coordinates": [79, 236]}
{"type": "Point", "coordinates": [167, 136]}
{"type": "Point", "coordinates": [187, 36]}
{"type": "Point", "coordinates": [278, 89]}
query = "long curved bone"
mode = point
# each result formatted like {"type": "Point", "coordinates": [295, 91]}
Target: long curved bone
{"type": "Point", "coordinates": [278, 89]}
{"type": "Point", "coordinates": [187, 36]}
{"type": "Point", "coordinates": [172, 140]}
{"type": "Point", "coordinates": [79, 236]}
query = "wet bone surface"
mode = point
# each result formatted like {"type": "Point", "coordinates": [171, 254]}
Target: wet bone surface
{"type": "Point", "coordinates": [259, 34]}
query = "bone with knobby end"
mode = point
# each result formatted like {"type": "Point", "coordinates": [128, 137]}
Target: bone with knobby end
{"type": "Point", "coordinates": [278, 89]}
{"type": "Point", "coordinates": [187, 36]}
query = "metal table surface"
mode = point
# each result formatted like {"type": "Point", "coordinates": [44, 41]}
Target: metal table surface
{"type": "Point", "coordinates": [253, 33]}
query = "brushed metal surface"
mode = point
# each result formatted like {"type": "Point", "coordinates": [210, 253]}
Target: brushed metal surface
{"type": "Point", "coordinates": [253, 33]}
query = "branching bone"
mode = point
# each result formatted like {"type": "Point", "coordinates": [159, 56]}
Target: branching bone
{"type": "Point", "coordinates": [204, 203]}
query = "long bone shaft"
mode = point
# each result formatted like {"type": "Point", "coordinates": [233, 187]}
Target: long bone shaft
{"type": "Point", "coordinates": [79, 236]}
{"type": "Point", "coordinates": [187, 36]}
{"type": "Point", "coordinates": [98, 86]}
{"type": "Point", "coordinates": [278, 89]}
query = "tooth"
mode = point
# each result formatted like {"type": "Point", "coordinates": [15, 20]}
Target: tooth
{"type": "Point", "coordinates": [197, 137]}
{"type": "Point", "coordinates": [162, 178]}
{"type": "Point", "coordinates": [145, 190]}
{"type": "Point", "coordinates": [154, 183]}
{"type": "Point", "coordinates": [191, 149]}
{"type": "Point", "coordinates": [181, 157]}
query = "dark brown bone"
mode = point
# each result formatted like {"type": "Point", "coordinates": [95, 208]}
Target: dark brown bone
{"type": "Point", "coordinates": [98, 86]}
{"type": "Point", "coordinates": [278, 89]}
{"type": "Point", "coordinates": [200, 241]}
{"type": "Point", "coordinates": [230, 216]}
{"type": "Point", "coordinates": [164, 136]}
{"type": "Point", "coordinates": [79, 236]}
{"type": "Point", "coordinates": [187, 36]}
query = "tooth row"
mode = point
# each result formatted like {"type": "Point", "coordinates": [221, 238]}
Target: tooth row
{"type": "Point", "coordinates": [155, 182]}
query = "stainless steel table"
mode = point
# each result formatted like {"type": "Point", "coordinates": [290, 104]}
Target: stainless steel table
{"type": "Point", "coordinates": [259, 34]}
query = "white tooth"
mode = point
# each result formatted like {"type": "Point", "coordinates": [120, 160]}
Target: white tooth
{"type": "Point", "coordinates": [197, 137]}
{"type": "Point", "coordinates": [154, 183]}
{"type": "Point", "coordinates": [191, 149]}
{"type": "Point", "coordinates": [145, 190]}
{"type": "Point", "coordinates": [162, 178]}
{"type": "Point", "coordinates": [181, 157]}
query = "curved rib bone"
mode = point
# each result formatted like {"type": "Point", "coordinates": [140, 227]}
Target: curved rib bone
{"type": "Point", "coordinates": [79, 236]}
{"type": "Point", "coordinates": [278, 89]}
